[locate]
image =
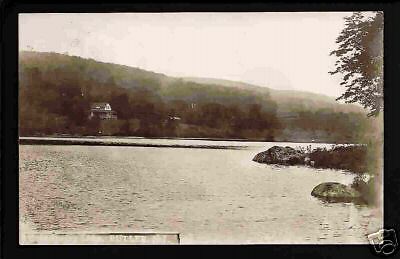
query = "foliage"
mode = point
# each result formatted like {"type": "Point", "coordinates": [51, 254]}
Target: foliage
{"type": "Point", "coordinates": [56, 92]}
{"type": "Point", "coordinates": [352, 158]}
{"type": "Point", "coordinates": [360, 60]}
{"type": "Point", "coordinates": [365, 187]}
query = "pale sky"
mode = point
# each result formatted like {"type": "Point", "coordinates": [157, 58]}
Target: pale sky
{"type": "Point", "coordinates": [277, 50]}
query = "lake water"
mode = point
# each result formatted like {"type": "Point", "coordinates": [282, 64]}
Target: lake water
{"type": "Point", "coordinates": [209, 196]}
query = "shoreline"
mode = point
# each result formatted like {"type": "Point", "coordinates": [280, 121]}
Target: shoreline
{"type": "Point", "coordinates": [99, 138]}
{"type": "Point", "coordinates": [75, 142]}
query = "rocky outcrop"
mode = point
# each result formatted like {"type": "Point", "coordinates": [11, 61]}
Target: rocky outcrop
{"type": "Point", "coordinates": [335, 192]}
{"type": "Point", "coordinates": [350, 158]}
{"type": "Point", "coordinates": [280, 155]}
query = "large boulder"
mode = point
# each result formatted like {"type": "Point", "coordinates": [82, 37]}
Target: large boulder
{"type": "Point", "coordinates": [280, 155]}
{"type": "Point", "coordinates": [335, 192]}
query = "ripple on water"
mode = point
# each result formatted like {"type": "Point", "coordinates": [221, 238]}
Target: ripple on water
{"type": "Point", "coordinates": [204, 194]}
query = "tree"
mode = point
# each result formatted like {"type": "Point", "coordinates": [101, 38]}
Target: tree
{"type": "Point", "coordinates": [120, 103]}
{"type": "Point", "coordinates": [255, 118]}
{"type": "Point", "coordinates": [360, 61]}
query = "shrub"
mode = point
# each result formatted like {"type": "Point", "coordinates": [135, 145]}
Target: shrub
{"type": "Point", "coordinates": [352, 158]}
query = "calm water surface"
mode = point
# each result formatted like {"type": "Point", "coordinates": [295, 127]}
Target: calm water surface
{"type": "Point", "coordinates": [208, 195]}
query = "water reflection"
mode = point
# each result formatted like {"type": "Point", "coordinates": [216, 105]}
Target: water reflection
{"type": "Point", "coordinates": [209, 196]}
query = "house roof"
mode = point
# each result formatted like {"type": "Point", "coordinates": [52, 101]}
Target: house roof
{"type": "Point", "coordinates": [99, 106]}
{"type": "Point", "coordinates": [98, 111]}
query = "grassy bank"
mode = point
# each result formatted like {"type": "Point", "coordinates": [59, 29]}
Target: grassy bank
{"type": "Point", "coordinates": [364, 160]}
{"type": "Point", "coordinates": [351, 158]}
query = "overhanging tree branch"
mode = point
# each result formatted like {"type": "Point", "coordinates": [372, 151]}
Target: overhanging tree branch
{"type": "Point", "coordinates": [360, 61]}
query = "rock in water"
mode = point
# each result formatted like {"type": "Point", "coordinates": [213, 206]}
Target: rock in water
{"type": "Point", "coordinates": [335, 192]}
{"type": "Point", "coordinates": [280, 155]}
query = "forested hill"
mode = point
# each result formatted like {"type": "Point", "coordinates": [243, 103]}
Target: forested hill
{"type": "Point", "coordinates": [287, 100]}
{"type": "Point", "coordinates": [56, 91]}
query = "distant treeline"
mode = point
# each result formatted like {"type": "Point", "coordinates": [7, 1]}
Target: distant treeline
{"type": "Point", "coordinates": [56, 92]}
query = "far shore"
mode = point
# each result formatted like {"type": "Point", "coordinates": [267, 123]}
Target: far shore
{"type": "Point", "coordinates": [99, 142]}
{"type": "Point", "coordinates": [24, 138]}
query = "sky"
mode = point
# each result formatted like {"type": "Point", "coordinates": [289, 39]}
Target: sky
{"type": "Point", "coordinates": [276, 50]}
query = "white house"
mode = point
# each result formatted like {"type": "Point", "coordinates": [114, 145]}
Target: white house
{"type": "Point", "coordinates": [102, 111]}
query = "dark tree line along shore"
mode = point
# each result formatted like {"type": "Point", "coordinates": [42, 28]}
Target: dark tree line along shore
{"type": "Point", "coordinates": [56, 92]}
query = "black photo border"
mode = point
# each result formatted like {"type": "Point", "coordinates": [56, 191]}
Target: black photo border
{"type": "Point", "coordinates": [10, 247]}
